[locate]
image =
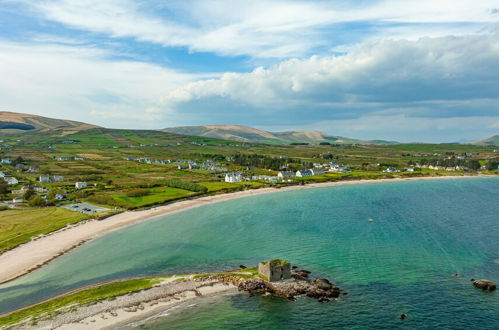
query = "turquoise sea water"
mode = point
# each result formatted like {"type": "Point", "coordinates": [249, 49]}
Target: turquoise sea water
{"type": "Point", "coordinates": [402, 262]}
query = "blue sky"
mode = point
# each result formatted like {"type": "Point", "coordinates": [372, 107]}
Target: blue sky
{"type": "Point", "coordinates": [389, 69]}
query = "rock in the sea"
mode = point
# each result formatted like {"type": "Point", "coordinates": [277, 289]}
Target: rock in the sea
{"type": "Point", "coordinates": [323, 284]}
{"type": "Point", "coordinates": [486, 285]}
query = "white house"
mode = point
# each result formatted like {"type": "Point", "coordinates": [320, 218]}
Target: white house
{"type": "Point", "coordinates": [80, 185]}
{"type": "Point", "coordinates": [285, 174]}
{"type": "Point", "coordinates": [303, 173]}
{"type": "Point", "coordinates": [60, 197]}
{"type": "Point", "coordinates": [17, 200]}
{"type": "Point", "coordinates": [11, 180]}
{"type": "Point", "coordinates": [57, 178]}
{"type": "Point", "coordinates": [409, 169]}
{"type": "Point", "coordinates": [44, 178]}
{"type": "Point", "coordinates": [233, 177]}
{"type": "Point", "coordinates": [6, 161]}
{"type": "Point", "coordinates": [2, 175]}
{"type": "Point", "coordinates": [391, 170]}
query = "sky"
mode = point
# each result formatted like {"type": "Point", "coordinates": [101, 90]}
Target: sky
{"type": "Point", "coordinates": [404, 70]}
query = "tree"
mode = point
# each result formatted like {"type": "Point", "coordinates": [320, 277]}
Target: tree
{"type": "Point", "coordinates": [29, 194]}
{"type": "Point", "coordinates": [492, 165]}
{"type": "Point", "coordinates": [4, 187]}
{"type": "Point", "coordinates": [474, 164]}
{"type": "Point", "coordinates": [18, 160]}
{"type": "Point", "coordinates": [36, 201]}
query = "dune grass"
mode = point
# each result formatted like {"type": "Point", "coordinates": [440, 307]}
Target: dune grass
{"type": "Point", "coordinates": [52, 307]}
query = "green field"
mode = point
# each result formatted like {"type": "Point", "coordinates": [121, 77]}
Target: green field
{"type": "Point", "coordinates": [156, 196]}
{"type": "Point", "coordinates": [19, 226]}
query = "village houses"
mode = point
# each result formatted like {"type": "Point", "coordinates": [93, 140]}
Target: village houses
{"type": "Point", "coordinates": [11, 180]}
{"type": "Point", "coordinates": [303, 173]}
{"type": "Point", "coordinates": [80, 185]}
{"type": "Point", "coordinates": [286, 175]}
{"type": "Point", "coordinates": [233, 177]}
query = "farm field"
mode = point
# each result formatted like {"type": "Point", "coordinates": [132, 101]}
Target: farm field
{"type": "Point", "coordinates": [19, 226]}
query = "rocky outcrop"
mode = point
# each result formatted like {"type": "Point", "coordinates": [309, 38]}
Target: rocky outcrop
{"type": "Point", "coordinates": [485, 285]}
{"type": "Point", "coordinates": [299, 285]}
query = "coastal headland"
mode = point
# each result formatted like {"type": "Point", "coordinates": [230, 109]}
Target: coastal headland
{"type": "Point", "coordinates": [41, 250]}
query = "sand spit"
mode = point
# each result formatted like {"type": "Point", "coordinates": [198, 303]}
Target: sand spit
{"type": "Point", "coordinates": [122, 310]}
{"type": "Point", "coordinates": [34, 254]}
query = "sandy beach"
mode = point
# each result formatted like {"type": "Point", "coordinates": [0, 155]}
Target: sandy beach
{"type": "Point", "coordinates": [34, 254]}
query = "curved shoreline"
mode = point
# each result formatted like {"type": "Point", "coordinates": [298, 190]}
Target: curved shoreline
{"type": "Point", "coordinates": [36, 253]}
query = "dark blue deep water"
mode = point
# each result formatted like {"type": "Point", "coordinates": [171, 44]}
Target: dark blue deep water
{"type": "Point", "coordinates": [402, 262]}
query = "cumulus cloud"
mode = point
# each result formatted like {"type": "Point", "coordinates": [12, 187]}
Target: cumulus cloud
{"type": "Point", "coordinates": [389, 71]}
{"type": "Point", "coordinates": [428, 78]}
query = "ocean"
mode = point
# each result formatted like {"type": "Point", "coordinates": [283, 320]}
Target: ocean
{"type": "Point", "coordinates": [396, 247]}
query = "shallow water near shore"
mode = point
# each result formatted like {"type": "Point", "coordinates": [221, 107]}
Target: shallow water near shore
{"type": "Point", "coordinates": [401, 262]}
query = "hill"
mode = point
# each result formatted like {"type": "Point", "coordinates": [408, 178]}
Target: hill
{"type": "Point", "coordinates": [491, 141]}
{"type": "Point", "coordinates": [12, 122]}
{"type": "Point", "coordinates": [249, 134]}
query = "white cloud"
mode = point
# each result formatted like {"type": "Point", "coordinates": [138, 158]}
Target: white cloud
{"type": "Point", "coordinates": [389, 71]}
{"type": "Point", "coordinates": [402, 87]}
{"type": "Point", "coordinates": [83, 84]}
{"type": "Point", "coordinates": [283, 28]}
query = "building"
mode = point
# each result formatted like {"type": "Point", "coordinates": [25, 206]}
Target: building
{"type": "Point", "coordinates": [233, 177]}
{"type": "Point", "coordinates": [57, 178]}
{"type": "Point", "coordinates": [275, 270]}
{"type": "Point", "coordinates": [285, 175]}
{"type": "Point", "coordinates": [60, 197]}
{"type": "Point", "coordinates": [391, 170]}
{"type": "Point", "coordinates": [409, 169]}
{"type": "Point", "coordinates": [18, 200]}
{"type": "Point", "coordinates": [44, 178]}
{"type": "Point", "coordinates": [11, 180]}
{"type": "Point", "coordinates": [303, 173]}
{"type": "Point", "coordinates": [2, 175]}
{"type": "Point", "coordinates": [80, 185]}
{"type": "Point", "coordinates": [317, 171]}
{"type": "Point", "coordinates": [5, 161]}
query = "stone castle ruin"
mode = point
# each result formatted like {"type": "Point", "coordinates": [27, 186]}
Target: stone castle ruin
{"type": "Point", "coordinates": [275, 270]}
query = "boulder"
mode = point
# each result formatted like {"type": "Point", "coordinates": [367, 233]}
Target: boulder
{"type": "Point", "coordinates": [323, 284]}
{"type": "Point", "coordinates": [486, 285]}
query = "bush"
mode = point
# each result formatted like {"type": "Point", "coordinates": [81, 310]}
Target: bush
{"type": "Point", "coordinates": [106, 200]}
{"type": "Point", "coordinates": [191, 186]}
{"type": "Point", "coordinates": [3, 207]}
{"type": "Point", "coordinates": [83, 193]}
{"type": "Point", "coordinates": [138, 193]}
{"type": "Point", "coordinates": [36, 201]}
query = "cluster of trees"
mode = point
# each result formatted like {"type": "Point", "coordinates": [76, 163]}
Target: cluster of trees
{"type": "Point", "coordinates": [35, 200]}
{"type": "Point", "coordinates": [472, 164]}
{"type": "Point", "coordinates": [262, 161]}
{"type": "Point", "coordinates": [191, 186]}
{"type": "Point", "coordinates": [492, 165]}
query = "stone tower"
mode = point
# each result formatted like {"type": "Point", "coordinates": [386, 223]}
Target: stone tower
{"type": "Point", "coordinates": [275, 270]}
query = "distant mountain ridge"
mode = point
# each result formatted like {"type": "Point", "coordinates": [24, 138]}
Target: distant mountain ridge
{"type": "Point", "coordinates": [253, 135]}
{"type": "Point", "coordinates": [491, 141]}
{"type": "Point", "coordinates": [12, 122]}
